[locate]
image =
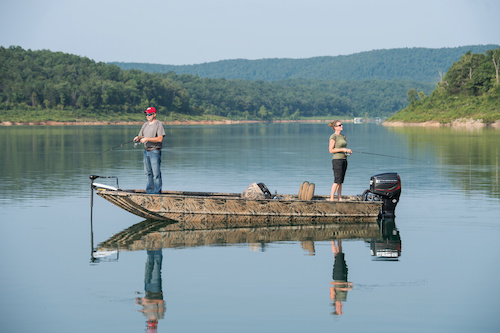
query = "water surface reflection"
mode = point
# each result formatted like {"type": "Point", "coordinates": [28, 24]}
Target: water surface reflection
{"type": "Point", "coordinates": [388, 245]}
{"type": "Point", "coordinates": [340, 285]}
{"type": "Point", "coordinates": [153, 305]}
{"type": "Point", "coordinates": [153, 236]}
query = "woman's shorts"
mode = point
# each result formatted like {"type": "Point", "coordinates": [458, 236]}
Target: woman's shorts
{"type": "Point", "coordinates": [339, 169]}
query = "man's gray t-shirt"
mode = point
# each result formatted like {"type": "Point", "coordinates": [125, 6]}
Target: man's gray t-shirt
{"type": "Point", "coordinates": [152, 131]}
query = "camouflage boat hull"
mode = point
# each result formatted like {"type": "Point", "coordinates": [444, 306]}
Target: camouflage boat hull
{"type": "Point", "coordinates": [224, 208]}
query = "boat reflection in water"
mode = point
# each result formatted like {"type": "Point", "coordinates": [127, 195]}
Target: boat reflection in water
{"type": "Point", "coordinates": [172, 234]}
{"type": "Point", "coordinates": [153, 236]}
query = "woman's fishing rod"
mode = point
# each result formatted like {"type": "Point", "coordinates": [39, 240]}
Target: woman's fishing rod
{"type": "Point", "coordinates": [404, 158]}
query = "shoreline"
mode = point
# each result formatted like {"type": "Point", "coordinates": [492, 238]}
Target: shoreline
{"type": "Point", "coordinates": [459, 123]}
{"type": "Point", "coordinates": [171, 123]}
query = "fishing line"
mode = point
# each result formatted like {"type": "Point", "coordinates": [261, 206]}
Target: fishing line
{"type": "Point", "coordinates": [109, 149]}
{"type": "Point", "coordinates": [404, 158]}
{"type": "Point", "coordinates": [117, 146]}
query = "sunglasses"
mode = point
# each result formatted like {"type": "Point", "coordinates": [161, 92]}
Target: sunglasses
{"type": "Point", "coordinates": [149, 114]}
{"type": "Point", "coordinates": [339, 125]}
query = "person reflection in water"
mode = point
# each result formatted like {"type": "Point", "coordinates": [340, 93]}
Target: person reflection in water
{"type": "Point", "coordinates": [153, 305]}
{"type": "Point", "coordinates": [340, 286]}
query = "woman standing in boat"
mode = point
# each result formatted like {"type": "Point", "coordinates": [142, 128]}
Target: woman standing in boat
{"type": "Point", "coordinates": [337, 147]}
{"type": "Point", "coordinates": [151, 135]}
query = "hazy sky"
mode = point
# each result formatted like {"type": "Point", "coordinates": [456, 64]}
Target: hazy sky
{"type": "Point", "coordinates": [181, 32]}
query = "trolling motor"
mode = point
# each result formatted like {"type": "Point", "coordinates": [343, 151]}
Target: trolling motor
{"type": "Point", "coordinates": [385, 187]}
{"type": "Point", "coordinates": [97, 185]}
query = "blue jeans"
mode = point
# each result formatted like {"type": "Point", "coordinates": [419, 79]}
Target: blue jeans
{"type": "Point", "coordinates": [152, 162]}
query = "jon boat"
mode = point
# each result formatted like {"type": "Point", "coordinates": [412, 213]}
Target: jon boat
{"type": "Point", "coordinates": [256, 206]}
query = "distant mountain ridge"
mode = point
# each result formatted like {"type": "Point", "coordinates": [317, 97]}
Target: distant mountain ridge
{"type": "Point", "coordinates": [407, 64]}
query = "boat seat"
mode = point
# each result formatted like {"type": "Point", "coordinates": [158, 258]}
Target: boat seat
{"type": "Point", "coordinates": [306, 191]}
{"type": "Point", "coordinates": [310, 192]}
{"type": "Point", "coordinates": [256, 192]}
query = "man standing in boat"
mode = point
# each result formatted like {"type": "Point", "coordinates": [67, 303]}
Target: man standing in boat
{"type": "Point", "coordinates": [151, 135]}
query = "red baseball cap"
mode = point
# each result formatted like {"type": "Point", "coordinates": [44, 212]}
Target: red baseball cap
{"type": "Point", "coordinates": [150, 110]}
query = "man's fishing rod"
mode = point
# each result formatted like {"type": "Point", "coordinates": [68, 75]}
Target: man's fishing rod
{"type": "Point", "coordinates": [404, 158]}
{"type": "Point", "coordinates": [117, 146]}
{"type": "Point", "coordinates": [114, 147]}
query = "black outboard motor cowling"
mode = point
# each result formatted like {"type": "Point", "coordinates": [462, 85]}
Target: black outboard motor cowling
{"type": "Point", "coordinates": [385, 187]}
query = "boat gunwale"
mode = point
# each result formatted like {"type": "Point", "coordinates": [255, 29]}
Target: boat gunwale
{"type": "Point", "coordinates": [233, 196]}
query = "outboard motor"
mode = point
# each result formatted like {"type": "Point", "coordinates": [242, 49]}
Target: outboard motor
{"type": "Point", "coordinates": [385, 187]}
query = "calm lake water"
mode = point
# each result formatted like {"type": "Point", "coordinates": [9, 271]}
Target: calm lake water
{"type": "Point", "coordinates": [446, 279]}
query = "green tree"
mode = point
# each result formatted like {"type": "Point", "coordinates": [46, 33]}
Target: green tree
{"type": "Point", "coordinates": [412, 97]}
{"type": "Point", "coordinates": [495, 56]}
{"type": "Point", "coordinates": [263, 113]}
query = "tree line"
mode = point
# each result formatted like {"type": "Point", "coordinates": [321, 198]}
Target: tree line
{"type": "Point", "coordinates": [56, 80]}
{"type": "Point", "coordinates": [45, 80]}
{"type": "Point", "coordinates": [296, 98]}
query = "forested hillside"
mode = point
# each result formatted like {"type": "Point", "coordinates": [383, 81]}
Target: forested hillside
{"type": "Point", "coordinates": [406, 64]}
{"type": "Point", "coordinates": [45, 85]}
{"type": "Point", "coordinates": [293, 99]}
{"type": "Point", "coordinates": [45, 80]}
{"type": "Point", "coordinates": [469, 90]}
